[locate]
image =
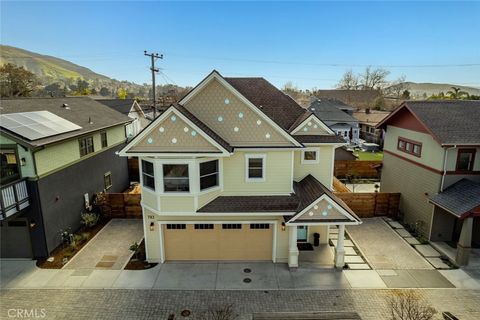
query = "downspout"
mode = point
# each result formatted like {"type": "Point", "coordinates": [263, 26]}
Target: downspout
{"type": "Point", "coordinates": [445, 166]}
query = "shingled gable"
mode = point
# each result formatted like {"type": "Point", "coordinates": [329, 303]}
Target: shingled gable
{"type": "Point", "coordinates": [176, 131]}
{"type": "Point", "coordinates": [239, 88]}
{"type": "Point", "coordinates": [449, 122]}
{"type": "Point", "coordinates": [319, 205]}
{"type": "Point", "coordinates": [310, 124]}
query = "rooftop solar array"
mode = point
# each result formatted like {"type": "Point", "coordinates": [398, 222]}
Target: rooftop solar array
{"type": "Point", "coordinates": [36, 124]}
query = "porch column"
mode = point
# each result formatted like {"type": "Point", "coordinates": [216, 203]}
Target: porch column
{"type": "Point", "coordinates": [465, 242]}
{"type": "Point", "coordinates": [339, 249]}
{"type": "Point", "coordinates": [292, 247]}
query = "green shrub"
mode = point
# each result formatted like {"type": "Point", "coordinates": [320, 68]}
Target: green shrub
{"type": "Point", "coordinates": [89, 219]}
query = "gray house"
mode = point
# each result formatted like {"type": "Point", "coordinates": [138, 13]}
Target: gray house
{"type": "Point", "coordinates": [338, 116]}
{"type": "Point", "coordinates": [56, 153]}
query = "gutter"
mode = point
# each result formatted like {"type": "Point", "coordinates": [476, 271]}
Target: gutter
{"type": "Point", "coordinates": [445, 166]}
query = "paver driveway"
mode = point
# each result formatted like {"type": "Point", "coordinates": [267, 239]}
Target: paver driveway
{"type": "Point", "coordinates": [384, 248]}
{"type": "Point", "coordinates": [109, 249]}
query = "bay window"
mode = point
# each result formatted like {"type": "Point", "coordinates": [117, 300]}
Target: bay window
{"type": "Point", "coordinates": [148, 176]}
{"type": "Point", "coordinates": [209, 174]}
{"type": "Point", "coordinates": [175, 178]}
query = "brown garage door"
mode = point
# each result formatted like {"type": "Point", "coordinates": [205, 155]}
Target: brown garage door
{"type": "Point", "coordinates": [218, 241]}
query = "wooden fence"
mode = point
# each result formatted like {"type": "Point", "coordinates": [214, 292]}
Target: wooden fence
{"type": "Point", "coordinates": [121, 205]}
{"type": "Point", "coordinates": [367, 205]}
{"type": "Point", "coordinates": [357, 168]}
{"type": "Point", "coordinates": [338, 186]}
{"type": "Point", "coordinates": [133, 169]}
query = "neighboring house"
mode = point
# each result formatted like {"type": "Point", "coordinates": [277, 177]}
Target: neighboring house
{"type": "Point", "coordinates": [132, 109]}
{"type": "Point", "coordinates": [55, 153]}
{"type": "Point", "coordinates": [360, 99]}
{"type": "Point", "coordinates": [237, 170]}
{"type": "Point", "coordinates": [368, 120]}
{"type": "Point", "coordinates": [431, 156]}
{"type": "Point", "coordinates": [344, 154]}
{"type": "Point", "coordinates": [335, 114]}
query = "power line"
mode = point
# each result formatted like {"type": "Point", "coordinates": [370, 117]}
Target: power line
{"type": "Point", "coordinates": [154, 57]}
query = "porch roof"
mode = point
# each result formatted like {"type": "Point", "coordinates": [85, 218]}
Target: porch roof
{"type": "Point", "coordinates": [306, 192]}
{"type": "Point", "coordinates": [460, 199]}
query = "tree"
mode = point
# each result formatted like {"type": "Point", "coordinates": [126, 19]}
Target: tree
{"type": "Point", "coordinates": [54, 90]}
{"type": "Point", "coordinates": [456, 93]}
{"type": "Point", "coordinates": [104, 92]}
{"type": "Point", "coordinates": [16, 81]}
{"type": "Point", "coordinates": [408, 305]}
{"type": "Point", "coordinates": [406, 95]}
{"type": "Point", "coordinates": [374, 79]}
{"type": "Point", "coordinates": [349, 81]}
{"type": "Point", "coordinates": [379, 103]}
{"type": "Point", "coordinates": [397, 87]}
{"type": "Point", "coordinates": [82, 87]}
{"type": "Point", "coordinates": [122, 93]}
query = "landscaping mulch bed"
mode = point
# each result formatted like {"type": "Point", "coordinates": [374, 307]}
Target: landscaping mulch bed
{"type": "Point", "coordinates": [139, 263]}
{"type": "Point", "coordinates": [61, 251]}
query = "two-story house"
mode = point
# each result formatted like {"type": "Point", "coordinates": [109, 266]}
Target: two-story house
{"type": "Point", "coordinates": [132, 109]}
{"type": "Point", "coordinates": [431, 156]}
{"type": "Point", "coordinates": [368, 120]}
{"type": "Point", "coordinates": [55, 154]}
{"type": "Point", "coordinates": [338, 117]}
{"type": "Point", "coordinates": [237, 170]}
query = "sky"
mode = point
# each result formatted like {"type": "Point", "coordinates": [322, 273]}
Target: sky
{"type": "Point", "coordinates": [310, 44]}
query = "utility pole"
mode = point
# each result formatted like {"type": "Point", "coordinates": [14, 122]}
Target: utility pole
{"type": "Point", "coordinates": [153, 56]}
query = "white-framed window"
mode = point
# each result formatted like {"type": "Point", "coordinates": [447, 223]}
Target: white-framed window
{"type": "Point", "coordinates": [255, 165]}
{"type": "Point", "coordinates": [148, 175]}
{"type": "Point", "coordinates": [176, 178]}
{"type": "Point", "coordinates": [107, 180]}
{"type": "Point", "coordinates": [209, 174]}
{"type": "Point", "coordinates": [311, 156]}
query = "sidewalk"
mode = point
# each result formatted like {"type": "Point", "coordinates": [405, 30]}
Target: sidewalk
{"type": "Point", "coordinates": [222, 276]}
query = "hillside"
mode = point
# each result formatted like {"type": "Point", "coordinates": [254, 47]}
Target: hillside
{"type": "Point", "coordinates": [418, 89]}
{"type": "Point", "coordinates": [49, 69]}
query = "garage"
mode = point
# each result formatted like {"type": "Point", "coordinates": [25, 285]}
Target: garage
{"type": "Point", "coordinates": [15, 239]}
{"type": "Point", "coordinates": [227, 241]}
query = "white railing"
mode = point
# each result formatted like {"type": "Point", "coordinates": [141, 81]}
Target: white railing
{"type": "Point", "coordinates": [13, 198]}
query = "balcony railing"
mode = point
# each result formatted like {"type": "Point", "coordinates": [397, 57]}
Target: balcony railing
{"type": "Point", "coordinates": [13, 198]}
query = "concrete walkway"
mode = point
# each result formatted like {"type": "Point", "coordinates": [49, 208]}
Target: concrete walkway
{"type": "Point", "coordinates": [384, 248]}
{"type": "Point", "coordinates": [109, 249]}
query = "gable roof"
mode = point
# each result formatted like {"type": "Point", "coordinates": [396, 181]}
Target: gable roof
{"type": "Point", "coordinates": [121, 105]}
{"type": "Point", "coordinates": [80, 111]}
{"type": "Point", "coordinates": [460, 199]}
{"type": "Point", "coordinates": [278, 106]}
{"type": "Point", "coordinates": [450, 122]}
{"type": "Point", "coordinates": [328, 110]}
{"type": "Point", "coordinates": [203, 129]}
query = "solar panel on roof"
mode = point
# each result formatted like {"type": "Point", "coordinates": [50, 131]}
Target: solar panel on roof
{"type": "Point", "coordinates": [36, 124]}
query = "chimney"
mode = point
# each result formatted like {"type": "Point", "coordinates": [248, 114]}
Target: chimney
{"type": "Point", "coordinates": [367, 110]}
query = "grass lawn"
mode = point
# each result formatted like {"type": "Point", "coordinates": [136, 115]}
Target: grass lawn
{"type": "Point", "coordinates": [366, 155]}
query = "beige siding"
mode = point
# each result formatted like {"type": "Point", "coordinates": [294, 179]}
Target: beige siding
{"type": "Point", "coordinates": [323, 171]}
{"type": "Point", "coordinates": [413, 182]}
{"type": "Point", "coordinates": [206, 197]}
{"type": "Point", "coordinates": [177, 203]}
{"type": "Point", "coordinates": [209, 104]}
{"type": "Point", "coordinates": [278, 174]}
{"type": "Point", "coordinates": [452, 159]}
{"type": "Point", "coordinates": [432, 153]}
{"type": "Point", "coordinates": [149, 198]}
{"type": "Point", "coordinates": [59, 155]}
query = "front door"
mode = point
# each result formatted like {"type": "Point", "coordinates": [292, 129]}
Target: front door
{"type": "Point", "coordinates": [302, 233]}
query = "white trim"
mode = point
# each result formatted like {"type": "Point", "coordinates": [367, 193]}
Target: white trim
{"type": "Point", "coordinates": [215, 75]}
{"type": "Point", "coordinates": [330, 201]}
{"type": "Point", "coordinates": [336, 144]}
{"type": "Point", "coordinates": [347, 223]}
{"type": "Point", "coordinates": [316, 119]}
{"type": "Point", "coordinates": [264, 149]}
{"type": "Point", "coordinates": [273, 223]}
{"type": "Point", "coordinates": [135, 104]}
{"type": "Point", "coordinates": [292, 171]}
{"type": "Point", "coordinates": [124, 152]}
{"type": "Point", "coordinates": [174, 155]}
{"type": "Point", "coordinates": [332, 169]}
{"type": "Point", "coordinates": [262, 156]}
{"type": "Point", "coordinates": [317, 156]}
{"type": "Point", "coordinates": [147, 253]}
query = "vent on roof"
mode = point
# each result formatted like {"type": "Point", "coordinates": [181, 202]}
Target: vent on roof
{"type": "Point", "coordinates": [90, 121]}
{"type": "Point", "coordinates": [66, 106]}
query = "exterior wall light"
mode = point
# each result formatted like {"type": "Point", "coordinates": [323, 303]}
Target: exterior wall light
{"type": "Point", "coordinates": [283, 226]}
{"type": "Point", "coordinates": [152, 226]}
